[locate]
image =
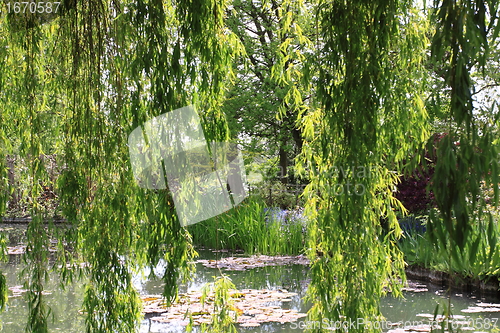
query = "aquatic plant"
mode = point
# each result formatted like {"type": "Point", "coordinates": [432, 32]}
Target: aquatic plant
{"type": "Point", "coordinates": [480, 257]}
{"type": "Point", "coordinates": [224, 314]}
{"type": "Point", "coordinates": [253, 228]}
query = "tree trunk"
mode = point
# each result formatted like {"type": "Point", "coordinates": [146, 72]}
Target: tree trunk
{"type": "Point", "coordinates": [13, 201]}
{"type": "Point", "coordinates": [283, 164]}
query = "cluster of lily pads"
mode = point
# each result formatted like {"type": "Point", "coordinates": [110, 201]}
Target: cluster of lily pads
{"type": "Point", "coordinates": [482, 307]}
{"type": "Point", "coordinates": [18, 249]}
{"type": "Point", "coordinates": [249, 308]}
{"type": "Point", "coordinates": [415, 287]}
{"type": "Point", "coordinates": [18, 291]}
{"type": "Point", "coordinates": [256, 261]}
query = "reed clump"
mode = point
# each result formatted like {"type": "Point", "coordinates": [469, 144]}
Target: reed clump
{"type": "Point", "coordinates": [254, 228]}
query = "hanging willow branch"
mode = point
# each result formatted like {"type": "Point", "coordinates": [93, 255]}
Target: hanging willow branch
{"type": "Point", "coordinates": [367, 116]}
{"type": "Point", "coordinates": [466, 157]}
{"type": "Point", "coordinates": [92, 74]}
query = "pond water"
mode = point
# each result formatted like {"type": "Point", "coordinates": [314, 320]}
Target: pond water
{"type": "Point", "coordinates": [412, 310]}
{"type": "Point", "coordinates": [65, 304]}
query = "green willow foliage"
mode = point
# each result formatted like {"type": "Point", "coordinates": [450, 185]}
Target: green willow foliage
{"type": "Point", "coordinates": [222, 319]}
{"type": "Point", "coordinates": [99, 70]}
{"type": "Point", "coordinates": [466, 157]}
{"type": "Point", "coordinates": [4, 192]}
{"type": "Point", "coordinates": [368, 115]}
{"type": "Point", "coordinates": [75, 84]}
{"type": "Point", "coordinates": [367, 119]}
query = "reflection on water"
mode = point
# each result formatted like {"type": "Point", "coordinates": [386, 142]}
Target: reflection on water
{"type": "Point", "coordinates": [418, 308]}
{"type": "Point", "coordinates": [66, 303]}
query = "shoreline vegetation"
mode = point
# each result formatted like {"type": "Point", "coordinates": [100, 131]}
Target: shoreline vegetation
{"type": "Point", "coordinates": [489, 285]}
{"type": "Point", "coordinates": [239, 260]}
{"type": "Point", "coordinates": [271, 221]}
{"type": "Point", "coordinates": [269, 225]}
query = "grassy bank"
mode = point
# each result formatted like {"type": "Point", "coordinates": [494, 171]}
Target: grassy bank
{"type": "Point", "coordinates": [253, 228]}
{"type": "Point", "coordinates": [478, 260]}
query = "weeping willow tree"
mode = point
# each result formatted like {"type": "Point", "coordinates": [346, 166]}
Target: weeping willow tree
{"type": "Point", "coordinates": [75, 83]}
{"type": "Point", "coordinates": [468, 157]}
{"type": "Point", "coordinates": [367, 117]}
{"type": "Point", "coordinates": [362, 130]}
{"type": "Point", "coordinates": [97, 70]}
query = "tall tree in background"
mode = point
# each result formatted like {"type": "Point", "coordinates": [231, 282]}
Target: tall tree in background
{"type": "Point", "coordinates": [258, 106]}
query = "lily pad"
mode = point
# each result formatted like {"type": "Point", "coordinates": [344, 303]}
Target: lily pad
{"type": "Point", "coordinates": [250, 308]}
{"type": "Point", "coordinates": [241, 264]}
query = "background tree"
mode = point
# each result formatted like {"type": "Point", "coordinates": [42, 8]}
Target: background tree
{"type": "Point", "coordinates": [259, 109]}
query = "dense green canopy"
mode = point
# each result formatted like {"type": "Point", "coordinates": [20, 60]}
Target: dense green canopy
{"type": "Point", "coordinates": [354, 79]}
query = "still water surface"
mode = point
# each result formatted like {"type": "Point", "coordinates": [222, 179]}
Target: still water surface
{"type": "Point", "coordinates": [65, 304]}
